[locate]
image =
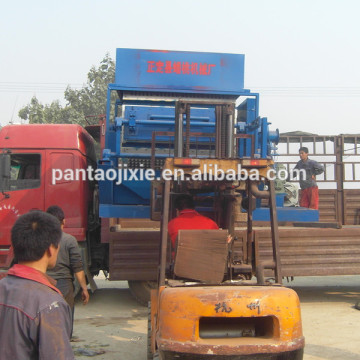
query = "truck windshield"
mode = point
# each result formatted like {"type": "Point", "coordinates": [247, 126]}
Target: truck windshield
{"type": "Point", "coordinates": [25, 172]}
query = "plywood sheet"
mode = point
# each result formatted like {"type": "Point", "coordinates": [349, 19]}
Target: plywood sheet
{"type": "Point", "coordinates": [201, 255]}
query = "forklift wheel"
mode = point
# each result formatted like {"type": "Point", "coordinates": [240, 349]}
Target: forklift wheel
{"type": "Point", "coordinates": [149, 353]}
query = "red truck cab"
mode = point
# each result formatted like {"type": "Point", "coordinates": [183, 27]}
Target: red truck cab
{"type": "Point", "coordinates": [38, 164]}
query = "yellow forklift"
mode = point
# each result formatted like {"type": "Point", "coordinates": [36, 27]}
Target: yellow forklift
{"type": "Point", "coordinates": [214, 299]}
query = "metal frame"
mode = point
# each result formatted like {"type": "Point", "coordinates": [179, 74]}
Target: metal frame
{"type": "Point", "coordinates": [344, 165]}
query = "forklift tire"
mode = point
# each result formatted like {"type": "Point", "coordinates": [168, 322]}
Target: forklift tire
{"type": "Point", "coordinates": [149, 353]}
{"type": "Point", "coordinates": [140, 290]}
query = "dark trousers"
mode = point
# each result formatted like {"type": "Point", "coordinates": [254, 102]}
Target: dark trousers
{"type": "Point", "coordinates": [66, 287]}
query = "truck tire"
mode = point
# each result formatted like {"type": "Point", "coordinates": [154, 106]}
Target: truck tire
{"type": "Point", "coordinates": [141, 290]}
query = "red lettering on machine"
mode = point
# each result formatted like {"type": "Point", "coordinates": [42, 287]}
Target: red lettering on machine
{"type": "Point", "coordinates": [178, 67]}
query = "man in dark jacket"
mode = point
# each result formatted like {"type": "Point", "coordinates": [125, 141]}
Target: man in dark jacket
{"type": "Point", "coordinates": [308, 169]}
{"type": "Point", "coordinates": [34, 317]}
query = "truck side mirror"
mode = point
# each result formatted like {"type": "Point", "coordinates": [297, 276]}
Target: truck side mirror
{"type": "Point", "coordinates": [5, 167]}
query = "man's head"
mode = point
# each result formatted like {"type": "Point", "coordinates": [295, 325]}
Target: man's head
{"type": "Point", "coordinates": [304, 153]}
{"type": "Point", "coordinates": [57, 211]}
{"type": "Point", "coordinates": [183, 202]}
{"type": "Point", "coordinates": [33, 234]}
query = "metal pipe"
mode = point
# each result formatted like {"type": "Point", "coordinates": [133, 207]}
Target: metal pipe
{"type": "Point", "coordinates": [187, 143]}
{"type": "Point", "coordinates": [164, 232]}
{"type": "Point", "coordinates": [178, 141]}
{"type": "Point", "coordinates": [108, 111]}
{"type": "Point", "coordinates": [256, 104]}
{"type": "Point", "coordinates": [160, 122]}
{"type": "Point", "coordinates": [275, 233]}
{"type": "Point", "coordinates": [259, 271]}
{"type": "Point", "coordinates": [223, 132]}
{"type": "Point", "coordinates": [249, 235]}
{"type": "Point", "coordinates": [218, 132]}
{"type": "Point", "coordinates": [148, 155]}
{"type": "Point", "coordinates": [179, 135]}
{"type": "Point", "coordinates": [230, 136]}
{"type": "Point", "coordinates": [262, 194]}
{"type": "Point", "coordinates": [170, 117]}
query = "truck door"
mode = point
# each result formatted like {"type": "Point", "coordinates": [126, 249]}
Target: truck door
{"type": "Point", "coordinates": [64, 189]}
{"type": "Point", "coordinates": [25, 192]}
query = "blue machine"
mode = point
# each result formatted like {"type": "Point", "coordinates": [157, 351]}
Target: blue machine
{"type": "Point", "coordinates": [286, 214]}
{"type": "Point", "coordinates": [144, 106]}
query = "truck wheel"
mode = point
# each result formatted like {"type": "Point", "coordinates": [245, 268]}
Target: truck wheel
{"type": "Point", "coordinates": [141, 290]}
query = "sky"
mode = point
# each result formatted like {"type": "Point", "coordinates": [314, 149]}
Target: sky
{"type": "Point", "coordinates": [302, 56]}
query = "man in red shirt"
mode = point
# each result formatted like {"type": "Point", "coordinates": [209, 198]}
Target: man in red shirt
{"type": "Point", "coordinates": [187, 218]}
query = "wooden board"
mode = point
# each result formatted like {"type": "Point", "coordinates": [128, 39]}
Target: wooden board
{"type": "Point", "coordinates": [201, 255]}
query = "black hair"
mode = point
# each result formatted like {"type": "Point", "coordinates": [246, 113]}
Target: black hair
{"type": "Point", "coordinates": [56, 211]}
{"type": "Point", "coordinates": [183, 202]}
{"type": "Point", "coordinates": [304, 149]}
{"type": "Point", "coordinates": [33, 233]}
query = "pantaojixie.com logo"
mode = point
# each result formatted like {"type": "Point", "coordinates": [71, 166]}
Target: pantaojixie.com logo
{"type": "Point", "coordinates": [208, 173]}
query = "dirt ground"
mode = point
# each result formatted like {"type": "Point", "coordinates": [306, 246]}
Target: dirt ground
{"type": "Point", "coordinates": [114, 327]}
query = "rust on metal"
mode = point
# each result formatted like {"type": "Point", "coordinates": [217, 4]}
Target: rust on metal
{"type": "Point", "coordinates": [229, 320]}
{"type": "Point", "coordinates": [236, 348]}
